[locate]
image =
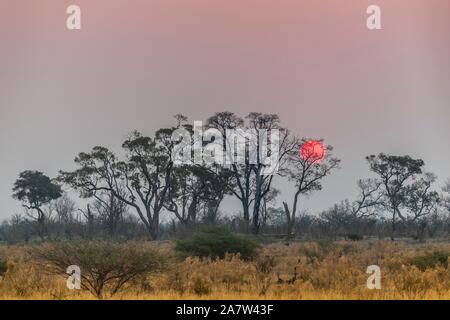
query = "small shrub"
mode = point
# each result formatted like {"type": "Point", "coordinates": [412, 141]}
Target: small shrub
{"type": "Point", "coordinates": [215, 243]}
{"type": "Point", "coordinates": [431, 260]}
{"type": "Point", "coordinates": [264, 267]}
{"type": "Point", "coordinates": [265, 264]}
{"type": "Point", "coordinates": [201, 287]}
{"type": "Point", "coordinates": [105, 266]}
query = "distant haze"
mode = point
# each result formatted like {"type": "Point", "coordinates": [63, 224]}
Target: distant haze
{"type": "Point", "coordinates": [136, 63]}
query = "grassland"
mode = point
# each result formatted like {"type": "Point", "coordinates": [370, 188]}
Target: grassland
{"type": "Point", "coordinates": [304, 270]}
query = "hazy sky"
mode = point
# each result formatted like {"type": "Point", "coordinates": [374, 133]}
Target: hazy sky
{"type": "Point", "coordinates": [135, 63]}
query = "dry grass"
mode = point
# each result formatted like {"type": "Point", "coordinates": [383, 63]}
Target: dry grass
{"type": "Point", "coordinates": [324, 270]}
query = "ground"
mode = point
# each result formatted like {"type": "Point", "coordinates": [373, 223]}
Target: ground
{"type": "Point", "coordinates": [303, 270]}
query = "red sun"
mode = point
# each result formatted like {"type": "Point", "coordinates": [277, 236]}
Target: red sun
{"type": "Point", "coordinates": [312, 151]}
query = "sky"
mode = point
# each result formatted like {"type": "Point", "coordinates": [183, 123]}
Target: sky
{"type": "Point", "coordinates": [136, 63]}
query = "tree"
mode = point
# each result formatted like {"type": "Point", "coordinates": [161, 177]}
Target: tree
{"type": "Point", "coordinates": [421, 202]}
{"type": "Point", "coordinates": [259, 122]}
{"type": "Point", "coordinates": [420, 199]}
{"type": "Point", "coordinates": [346, 214]}
{"type": "Point", "coordinates": [269, 199]}
{"type": "Point", "coordinates": [35, 190]}
{"type": "Point", "coordinates": [446, 197]}
{"type": "Point", "coordinates": [99, 175]}
{"type": "Point", "coordinates": [249, 184]}
{"type": "Point", "coordinates": [339, 217]}
{"type": "Point", "coordinates": [395, 174]}
{"type": "Point", "coordinates": [307, 173]}
{"type": "Point", "coordinates": [144, 176]}
{"type": "Point", "coordinates": [106, 267]}
{"type": "Point", "coordinates": [148, 173]}
{"type": "Point", "coordinates": [90, 220]}
{"type": "Point", "coordinates": [196, 186]}
{"type": "Point", "coordinates": [239, 184]}
{"type": "Point", "coordinates": [110, 210]}
{"type": "Point", "coordinates": [64, 207]}
{"type": "Point", "coordinates": [216, 184]}
{"type": "Point", "coordinates": [185, 195]}
{"type": "Point", "coordinates": [194, 189]}
{"type": "Point", "coordinates": [369, 199]}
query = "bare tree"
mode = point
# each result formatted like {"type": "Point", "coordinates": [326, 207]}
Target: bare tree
{"type": "Point", "coordinates": [369, 199]}
{"type": "Point", "coordinates": [110, 210]}
{"type": "Point", "coordinates": [307, 173]}
{"type": "Point", "coordinates": [249, 182]}
{"type": "Point", "coordinates": [64, 208]}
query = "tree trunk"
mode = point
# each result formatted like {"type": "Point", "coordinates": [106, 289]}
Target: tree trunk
{"type": "Point", "coordinates": [290, 221]}
{"type": "Point", "coordinates": [41, 223]}
{"type": "Point", "coordinates": [246, 213]}
{"type": "Point", "coordinates": [393, 227]}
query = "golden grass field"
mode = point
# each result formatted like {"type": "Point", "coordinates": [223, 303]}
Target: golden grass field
{"type": "Point", "coordinates": [324, 270]}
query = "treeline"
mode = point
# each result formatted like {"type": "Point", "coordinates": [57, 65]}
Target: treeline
{"type": "Point", "coordinates": [145, 194]}
{"type": "Point", "coordinates": [330, 224]}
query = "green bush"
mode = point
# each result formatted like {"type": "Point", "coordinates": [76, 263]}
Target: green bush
{"type": "Point", "coordinates": [354, 237]}
{"type": "Point", "coordinates": [3, 267]}
{"type": "Point", "coordinates": [431, 260]}
{"type": "Point", "coordinates": [215, 243]}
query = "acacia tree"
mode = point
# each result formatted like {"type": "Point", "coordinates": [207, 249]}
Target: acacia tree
{"type": "Point", "coordinates": [98, 175]}
{"type": "Point", "coordinates": [107, 267]}
{"type": "Point", "coordinates": [421, 202]}
{"type": "Point", "coordinates": [35, 190]}
{"type": "Point", "coordinates": [259, 122]}
{"type": "Point", "coordinates": [195, 187]}
{"type": "Point", "coordinates": [306, 172]}
{"type": "Point", "coordinates": [141, 181]}
{"type": "Point", "coordinates": [395, 175]}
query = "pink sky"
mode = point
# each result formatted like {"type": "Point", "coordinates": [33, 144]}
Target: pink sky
{"type": "Point", "coordinates": [136, 63]}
